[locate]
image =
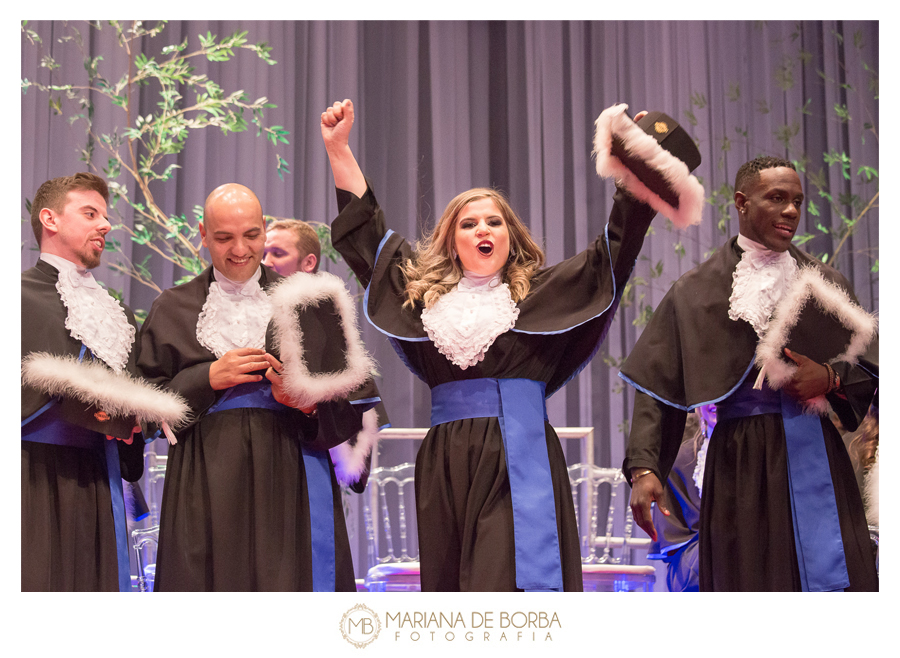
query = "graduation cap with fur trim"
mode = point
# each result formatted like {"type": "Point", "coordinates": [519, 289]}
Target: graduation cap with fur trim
{"type": "Point", "coordinates": [653, 160]}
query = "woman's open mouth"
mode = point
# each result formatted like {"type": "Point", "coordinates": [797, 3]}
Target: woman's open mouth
{"type": "Point", "coordinates": [485, 247]}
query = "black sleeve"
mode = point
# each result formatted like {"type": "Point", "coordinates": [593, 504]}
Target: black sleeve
{"type": "Point", "coordinates": [656, 433]}
{"type": "Point", "coordinates": [357, 232]}
{"type": "Point", "coordinates": [859, 389]}
{"type": "Point", "coordinates": [131, 458]}
{"type": "Point", "coordinates": [629, 221]}
{"type": "Point", "coordinates": [859, 381]}
{"type": "Point", "coordinates": [334, 423]}
{"type": "Point", "coordinates": [162, 362]}
{"type": "Point", "coordinates": [593, 279]}
{"type": "Point", "coordinates": [43, 321]}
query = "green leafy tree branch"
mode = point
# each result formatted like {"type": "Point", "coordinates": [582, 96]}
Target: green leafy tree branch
{"type": "Point", "coordinates": [141, 147]}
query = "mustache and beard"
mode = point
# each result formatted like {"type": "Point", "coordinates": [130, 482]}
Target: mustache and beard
{"type": "Point", "coordinates": [88, 256]}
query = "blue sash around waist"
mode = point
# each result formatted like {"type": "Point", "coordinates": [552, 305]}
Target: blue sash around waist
{"type": "Point", "coordinates": [519, 406]}
{"type": "Point", "coordinates": [45, 426]}
{"type": "Point", "coordinates": [258, 395]}
{"type": "Point", "coordinates": [817, 530]}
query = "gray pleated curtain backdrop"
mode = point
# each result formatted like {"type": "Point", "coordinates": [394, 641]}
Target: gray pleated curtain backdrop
{"type": "Point", "coordinates": [445, 106]}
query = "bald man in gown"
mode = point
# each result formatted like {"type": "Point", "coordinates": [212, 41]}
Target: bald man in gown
{"type": "Point", "coordinates": [236, 512]}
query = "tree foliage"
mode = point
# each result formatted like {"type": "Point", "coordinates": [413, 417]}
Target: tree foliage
{"type": "Point", "coordinates": [139, 150]}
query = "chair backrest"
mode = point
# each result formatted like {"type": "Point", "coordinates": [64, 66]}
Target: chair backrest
{"type": "Point", "coordinates": [144, 542]}
{"type": "Point", "coordinates": [389, 514]}
{"type": "Point", "coordinates": [600, 497]}
{"type": "Point", "coordinates": [154, 476]}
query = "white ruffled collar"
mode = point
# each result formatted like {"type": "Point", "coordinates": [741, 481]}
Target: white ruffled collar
{"type": "Point", "coordinates": [93, 315]}
{"type": "Point", "coordinates": [464, 322]}
{"type": "Point", "coordinates": [759, 282]}
{"type": "Point", "coordinates": [235, 314]}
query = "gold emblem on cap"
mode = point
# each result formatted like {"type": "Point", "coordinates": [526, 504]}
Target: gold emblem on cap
{"type": "Point", "coordinates": [102, 416]}
{"type": "Point", "coordinates": [661, 127]}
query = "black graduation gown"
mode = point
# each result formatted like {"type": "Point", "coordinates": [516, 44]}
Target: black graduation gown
{"type": "Point", "coordinates": [691, 354]}
{"type": "Point", "coordinates": [235, 509]}
{"type": "Point", "coordinates": [463, 502]}
{"type": "Point", "coordinates": [68, 532]}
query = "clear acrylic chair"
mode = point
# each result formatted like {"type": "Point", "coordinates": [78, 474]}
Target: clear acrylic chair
{"type": "Point", "coordinates": [604, 570]}
{"type": "Point", "coordinates": [144, 542]}
{"type": "Point", "coordinates": [389, 516]}
{"type": "Point", "coordinates": [154, 476]}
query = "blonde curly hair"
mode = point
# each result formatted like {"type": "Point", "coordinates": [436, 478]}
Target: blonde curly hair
{"type": "Point", "coordinates": [435, 269]}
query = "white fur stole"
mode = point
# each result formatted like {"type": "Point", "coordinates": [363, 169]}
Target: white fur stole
{"type": "Point", "coordinates": [811, 285]}
{"type": "Point", "coordinates": [118, 394]}
{"type": "Point", "coordinates": [303, 290]}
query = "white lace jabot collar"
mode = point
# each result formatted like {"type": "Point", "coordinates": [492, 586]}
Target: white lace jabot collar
{"type": "Point", "coordinates": [93, 315]}
{"type": "Point", "coordinates": [235, 314]}
{"type": "Point", "coordinates": [464, 322]}
{"type": "Point", "coordinates": [759, 282]}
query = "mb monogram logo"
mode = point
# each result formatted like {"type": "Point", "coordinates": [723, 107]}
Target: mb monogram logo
{"type": "Point", "coordinates": [360, 626]}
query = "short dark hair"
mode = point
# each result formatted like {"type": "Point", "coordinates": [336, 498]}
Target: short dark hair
{"type": "Point", "coordinates": [749, 171]}
{"type": "Point", "coordinates": [52, 194]}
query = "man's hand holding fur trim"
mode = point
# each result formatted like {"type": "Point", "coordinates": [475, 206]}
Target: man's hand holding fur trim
{"type": "Point", "coordinates": [809, 381]}
{"type": "Point", "coordinates": [273, 374]}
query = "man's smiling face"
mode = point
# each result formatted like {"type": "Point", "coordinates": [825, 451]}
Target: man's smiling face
{"type": "Point", "coordinates": [234, 232]}
{"type": "Point", "coordinates": [769, 207]}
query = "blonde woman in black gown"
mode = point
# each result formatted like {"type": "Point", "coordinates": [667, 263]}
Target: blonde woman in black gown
{"type": "Point", "coordinates": [473, 312]}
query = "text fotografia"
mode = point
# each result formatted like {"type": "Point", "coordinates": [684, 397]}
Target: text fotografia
{"type": "Point", "coordinates": [476, 627]}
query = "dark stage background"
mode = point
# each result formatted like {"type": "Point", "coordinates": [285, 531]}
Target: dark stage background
{"type": "Point", "coordinates": [443, 106]}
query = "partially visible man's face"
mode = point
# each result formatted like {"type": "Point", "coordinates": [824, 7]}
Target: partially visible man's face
{"type": "Point", "coordinates": [82, 227]}
{"type": "Point", "coordinates": [234, 232]}
{"type": "Point", "coordinates": [281, 253]}
{"type": "Point", "coordinates": [769, 210]}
